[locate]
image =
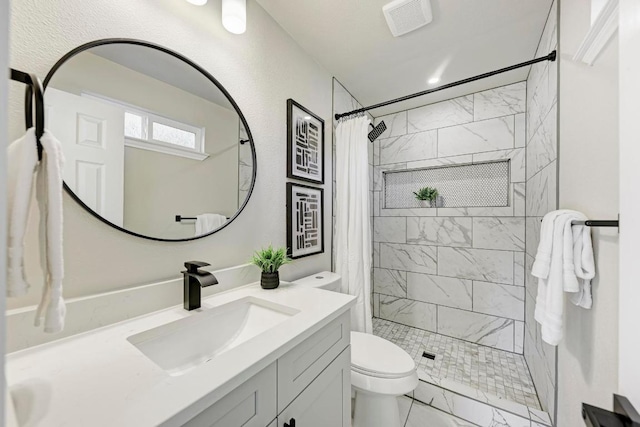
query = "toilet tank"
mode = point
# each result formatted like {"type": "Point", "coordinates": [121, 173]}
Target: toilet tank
{"type": "Point", "coordinates": [323, 280]}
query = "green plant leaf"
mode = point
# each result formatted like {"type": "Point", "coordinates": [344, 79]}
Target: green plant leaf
{"type": "Point", "coordinates": [426, 193]}
{"type": "Point", "coordinates": [269, 260]}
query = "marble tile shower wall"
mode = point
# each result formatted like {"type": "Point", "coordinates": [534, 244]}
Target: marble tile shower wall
{"type": "Point", "coordinates": [455, 271]}
{"type": "Point", "coordinates": [542, 96]}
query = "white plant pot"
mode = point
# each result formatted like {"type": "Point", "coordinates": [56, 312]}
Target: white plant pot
{"type": "Point", "coordinates": [427, 203]}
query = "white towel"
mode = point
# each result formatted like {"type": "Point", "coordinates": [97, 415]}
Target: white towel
{"type": "Point", "coordinates": [49, 196]}
{"type": "Point", "coordinates": [206, 223]}
{"type": "Point", "coordinates": [23, 162]}
{"type": "Point", "coordinates": [564, 263]}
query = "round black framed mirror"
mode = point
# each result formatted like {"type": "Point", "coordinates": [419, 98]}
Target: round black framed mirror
{"type": "Point", "coordinates": [155, 146]}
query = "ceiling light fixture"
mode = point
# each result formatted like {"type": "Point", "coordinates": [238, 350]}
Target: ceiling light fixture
{"type": "Point", "coordinates": [198, 2]}
{"type": "Point", "coordinates": [234, 16]}
{"type": "Point", "coordinates": [433, 80]}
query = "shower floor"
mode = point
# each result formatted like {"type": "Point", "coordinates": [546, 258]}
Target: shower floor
{"type": "Point", "coordinates": [497, 372]}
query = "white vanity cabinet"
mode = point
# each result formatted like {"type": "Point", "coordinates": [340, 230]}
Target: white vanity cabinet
{"type": "Point", "coordinates": [326, 402]}
{"type": "Point", "coordinates": [310, 384]}
{"type": "Point", "coordinates": [253, 404]}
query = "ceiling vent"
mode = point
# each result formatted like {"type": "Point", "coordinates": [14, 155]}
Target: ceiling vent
{"type": "Point", "coordinates": [404, 16]}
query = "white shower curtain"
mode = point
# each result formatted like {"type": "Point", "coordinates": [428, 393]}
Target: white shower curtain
{"type": "Point", "coordinates": [353, 221]}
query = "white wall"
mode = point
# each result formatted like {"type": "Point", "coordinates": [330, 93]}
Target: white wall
{"type": "Point", "coordinates": [4, 63]}
{"type": "Point", "coordinates": [261, 69]}
{"type": "Point", "coordinates": [629, 315]}
{"type": "Point", "coordinates": [588, 182]}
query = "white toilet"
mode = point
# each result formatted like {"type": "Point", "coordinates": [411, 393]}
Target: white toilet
{"type": "Point", "coordinates": [380, 370]}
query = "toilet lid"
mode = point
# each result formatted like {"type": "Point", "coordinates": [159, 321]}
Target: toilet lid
{"type": "Point", "coordinates": [375, 356]}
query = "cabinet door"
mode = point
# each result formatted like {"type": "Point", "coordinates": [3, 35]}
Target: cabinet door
{"type": "Point", "coordinates": [326, 402]}
{"type": "Point", "coordinates": [253, 404]}
{"type": "Point", "coordinates": [300, 366]}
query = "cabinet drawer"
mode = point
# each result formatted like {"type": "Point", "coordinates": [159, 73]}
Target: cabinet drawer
{"type": "Point", "coordinates": [253, 404]}
{"type": "Point", "coordinates": [298, 368]}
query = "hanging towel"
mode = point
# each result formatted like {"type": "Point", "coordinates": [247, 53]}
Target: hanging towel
{"type": "Point", "coordinates": [564, 263]}
{"type": "Point", "coordinates": [23, 165]}
{"type": "Point", "coordinates": [49, 195]}
{"type": "Point", "coordinates": [206, 223]}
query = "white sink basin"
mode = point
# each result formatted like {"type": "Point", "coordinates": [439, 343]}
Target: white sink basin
{"type": "Point", "coordinates": [180, 346]}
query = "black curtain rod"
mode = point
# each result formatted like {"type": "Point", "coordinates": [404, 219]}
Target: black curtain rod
{"type": "Point", "coordinates": [549, 57]}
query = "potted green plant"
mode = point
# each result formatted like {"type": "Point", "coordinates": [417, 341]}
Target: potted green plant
{"type": "Point", "coordinates": [270, 260]}
{"type": "Point", "coordinates": [427, 197]}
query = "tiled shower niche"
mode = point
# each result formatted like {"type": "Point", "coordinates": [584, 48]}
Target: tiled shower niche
{"type": "Point", "coordinates": [484, 184]}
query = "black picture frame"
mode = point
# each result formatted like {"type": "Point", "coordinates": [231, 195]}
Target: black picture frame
{"type": "Point", "coordinates": [292, 172]}
{"type": "Point", "coordinates": [293, 250]}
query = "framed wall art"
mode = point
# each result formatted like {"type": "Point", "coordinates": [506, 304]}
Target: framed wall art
{"type": "Point", "coordinates": [305, 220]}
{"type": "Point", "coordinates": [305, 144]}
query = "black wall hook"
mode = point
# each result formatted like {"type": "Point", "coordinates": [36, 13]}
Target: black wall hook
{"type": "Point", "coordinates": [34, 90]}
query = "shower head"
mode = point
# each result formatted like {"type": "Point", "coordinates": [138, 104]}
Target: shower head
{"type": "Point", "coordinates": [377, 131]}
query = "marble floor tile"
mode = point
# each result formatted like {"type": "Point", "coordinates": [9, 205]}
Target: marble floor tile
{"type": "Point", "coordinates": [463, 362]}
{"type": "Point", "coordinates": [404, 405]}
{"type": "Point", "coordinates": [422, 415]}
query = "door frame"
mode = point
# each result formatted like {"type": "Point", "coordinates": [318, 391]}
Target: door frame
{"type": "Point", "coordinates": [629, 302]}
{"type": "Point", "coordinates": [4, 136]}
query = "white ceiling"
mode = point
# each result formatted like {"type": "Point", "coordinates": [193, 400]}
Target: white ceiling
{"type": "Point", "coordinates": [350, 38]}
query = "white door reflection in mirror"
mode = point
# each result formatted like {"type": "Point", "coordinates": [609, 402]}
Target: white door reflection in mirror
{"type": "Point", "coordinates": [94, 150]}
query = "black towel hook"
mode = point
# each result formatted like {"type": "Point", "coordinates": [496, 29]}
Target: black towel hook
{"type": "Point", "coordinates": [34, 90]}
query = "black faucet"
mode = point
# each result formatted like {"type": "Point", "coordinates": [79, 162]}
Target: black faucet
{"type": "Point", "coordinates": [194, 280]}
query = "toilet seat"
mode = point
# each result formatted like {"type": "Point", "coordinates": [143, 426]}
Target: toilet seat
{"type": "Point", "coordinates": [377, 357]}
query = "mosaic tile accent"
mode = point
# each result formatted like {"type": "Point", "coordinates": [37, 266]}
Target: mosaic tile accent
{"type": "Point", "coordinates": [493, 371]}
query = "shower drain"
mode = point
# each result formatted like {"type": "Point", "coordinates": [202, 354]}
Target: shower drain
{"type": "Point", "coordinates": [428, 355]}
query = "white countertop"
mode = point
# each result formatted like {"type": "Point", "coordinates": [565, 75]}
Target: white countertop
{"type": "Point", "coordinates": [98, 378]}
